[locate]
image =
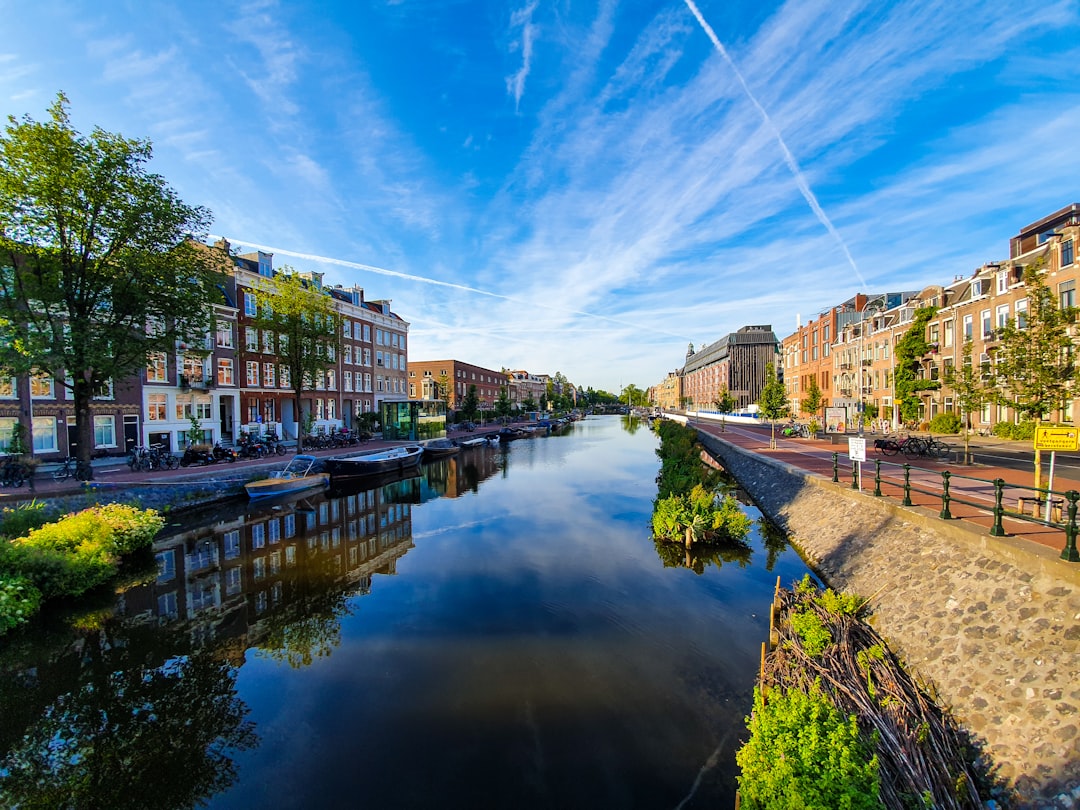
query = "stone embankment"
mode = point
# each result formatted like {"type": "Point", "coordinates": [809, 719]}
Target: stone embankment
{"type": "Point", "coordinates": [991, 626]}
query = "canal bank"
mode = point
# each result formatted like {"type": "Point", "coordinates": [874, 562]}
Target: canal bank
{"type": "Point", "coordinates": [991, 624]}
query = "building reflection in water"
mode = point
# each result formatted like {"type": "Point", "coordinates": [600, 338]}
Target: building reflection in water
{"type": "Point", "coordinates": [161, 661]}
{"type": "Point", "coordinates": [223, 577]}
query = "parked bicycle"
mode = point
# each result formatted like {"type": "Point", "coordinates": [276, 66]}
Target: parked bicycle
{"type": "Point", "coordinates": [796, 430]}
{"type": "Point", "coordinates": [15, 471]}
{"type": "Point", "coordinates": [154, 457]}
{"type": "Point", "coordinates": [70, 469]}
{"type": "Point", "coordinates": [913, 447]}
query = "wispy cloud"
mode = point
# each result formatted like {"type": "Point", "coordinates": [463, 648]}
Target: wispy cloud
{"type": "Point", "coordinates": [522, 18]}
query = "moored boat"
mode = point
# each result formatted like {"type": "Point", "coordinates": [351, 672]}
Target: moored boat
{"type": "Point", "coordinates": [299, 475]}
{"type": "Point", "coordinates": [440, 448]}
{"type": "Point", "coordinates": [381, 461]}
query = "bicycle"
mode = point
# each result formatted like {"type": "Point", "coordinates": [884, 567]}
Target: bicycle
{"type": "Point", "coordinates": [70, 469]}
{"type": "Point", "coordinates": [14, 472]}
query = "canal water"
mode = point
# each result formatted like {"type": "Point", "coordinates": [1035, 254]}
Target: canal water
{"type": "Point", "coordinates": [499, 632]}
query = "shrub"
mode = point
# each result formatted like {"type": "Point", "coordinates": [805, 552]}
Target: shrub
{"type": "Point", "coordinates": [17, 521]}
{"type": "Point", "coordinates": [812, 631]}
{"type": "Point", "coordinates": [946, 423]}
{"type": "Point", "coordinates": [803, 754]}
{"type": "Point", "coordinates": [19, 600]}
{"type": "Point", "coordinates": [79, 551]}
{"type": "Point", "coordinates": [1021, 432]}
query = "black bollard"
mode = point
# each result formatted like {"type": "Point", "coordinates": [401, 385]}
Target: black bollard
{"type": "Point", "coordinates": [997, 530]}
{"type": "Point", "coordinates": [945, 498]}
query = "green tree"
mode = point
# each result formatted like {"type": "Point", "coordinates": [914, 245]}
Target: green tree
{"type": "Point", "coordinates": [1034, 367]}
{"type": "Point", "coordinates": [724, 402]}
{"type": "Point", "coordinates": [306, 329]}
{"type": "Point", "coordinates": [502, 403]}
{"type": "Point", "coordinates": [969, 393]}
{"type": "Point", "coordinates": [812, 402]}
{"type": "Point", "coordinates": [773, 402]}
{"type": "Point", "coordinates": [470, 405]}
{"type": "Point", "coordinates": [633, 396]}
{"type": "Point", "coordinates": [98, 275]}
{"type": "Point", "coordinates": [910, 350]}
{"type": "Point", "coordinates": [528, 404]}
{"type": "Point", "coordinates": [442, 385]}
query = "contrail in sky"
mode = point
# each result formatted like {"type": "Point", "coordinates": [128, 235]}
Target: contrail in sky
{"type": "Point", "coordinates": [311, 257]}
{"type": "Point", "coordinates": [800, 179]}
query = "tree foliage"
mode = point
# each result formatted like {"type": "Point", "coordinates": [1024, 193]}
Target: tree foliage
{"type": "Point", "coordinates": [470, 405]}
{"type": "Point", "coordinates": [96, 271]}
{"type": "Point", "coordinates": [908, 355]}
{"type": "Point", "coordinates": [306, 329]}
{"type": "Point", "coordinates": [724, 402]}
{"type": "Point", "coordinates": [1035, 367]}
{"type": "Point", "coordinates": [812, 402]}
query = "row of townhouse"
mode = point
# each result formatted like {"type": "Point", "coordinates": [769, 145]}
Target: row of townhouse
{"type": "Point", "coordinates": [850, 349]}
{"type": "Point", "coordinates": [451, 380]}
{"type": "Point", "coordinates": [232, 382]}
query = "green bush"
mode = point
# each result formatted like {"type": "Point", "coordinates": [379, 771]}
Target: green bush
{"type": "Point", "coordinates": [700, 514]}
{"type": "Point", "coordinates": [946, 423]}
{"type": "Point", "coordinates": [17, 521]}
{"type": "Point", "coordinates": [19, 600]}
{"type": "Point", "coordinates": [79, 551]}
{"type": "Point", "coordinates": [802, 754]}
{"type": "Point", "coordinates": [1024, 431]}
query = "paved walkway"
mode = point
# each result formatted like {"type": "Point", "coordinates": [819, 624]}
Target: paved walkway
{"type": "Point", "coordinates": [966, 482]}
{"type": "Point", "coordinates": [114, 473]}
{"type": "Point", "coordinates": [990, 622]}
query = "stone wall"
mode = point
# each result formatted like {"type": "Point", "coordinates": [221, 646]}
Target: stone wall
{"type": "Point", "coordinates": [990, 624]}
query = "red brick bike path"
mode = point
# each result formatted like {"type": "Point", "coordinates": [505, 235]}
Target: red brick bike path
{"type": "Point", "coordinates": [972, 483]}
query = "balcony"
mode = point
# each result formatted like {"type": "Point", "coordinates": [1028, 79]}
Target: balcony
{"type": "Point", "coordinates": [993, 336]}
{"type": "Point", "coordinates": [195, 383]}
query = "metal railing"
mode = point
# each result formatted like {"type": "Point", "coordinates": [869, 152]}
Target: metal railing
{"type": "Point", "coordinates": [1048, 501]}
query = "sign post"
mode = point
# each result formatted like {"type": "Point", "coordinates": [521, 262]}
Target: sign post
{"type": "Point", "coordinates": [857, 453]}
{"type": "Point", "coordinates": [1054, 438]}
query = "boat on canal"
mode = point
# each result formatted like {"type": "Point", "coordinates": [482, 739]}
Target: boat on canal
{"type": "Point", "coordinates": [381, 461]}
{"type": "Point", "coordinates": [440, 448]}
{"type": "Point", "coordinates": [299, 475]}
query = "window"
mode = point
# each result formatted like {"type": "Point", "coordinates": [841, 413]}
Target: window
{"type": "Point", "coordinates": [367, 383]}
{"type": "Point", "coordinates": [44, 428]}
{"type": "Point", "coordinates": [367, 357]}
{"type": "Point", "coordinates": [346, 328]}
{"type": "Point", "coordinates": [224, 336]}
{"type": "Point", "coordinates": [7, 388]}
{"type": "Point", "coordinates": [252, 372]}
{"type": "Point", "coordinates": [285, 377]}
{"type": "Point", "coordinates": [1021, 313]}
{"type": "Point", "coordinates": [331, 380]}
{"type": "Point", "coordinates": [166, 565]}
{"type": "Point", "coordinates": [104, 431]}
{"type": "Point", "coordinates": [348, 356]}
{"type": "Point", "coordinates": [251, 339]}
{"type": "Point", "coordinates": [251, 306]}
{"type": "Point", "coordinates": [948, 329]}
{"type": "Point", "coordinates": [968, 327]}
{"type": "Point", "coordinates": [155, 370]}
{"type": "Point", "coordinates": [268, 375]}
{"type": "Point", "coordinates": [984, 319]}
{"type": "Point", "coordinates": [268, 342]}
{"type": "Point", "coordinates": [1066, 252]}
{"type": "Point", "coordinates": [155, 407]}
{"type": "Point", "coordinates": [1002, 316]}
{"type": "Point", "coordinates": [1067, 294]}
{"type": "Point", "coordinates": [1002, 281]}
{"type": "Point", "coordinates": [225, 371]}
{"type": "Point", "coordinates": [378, 358]}
{"type": "Point", "coordinates": [193, 369]}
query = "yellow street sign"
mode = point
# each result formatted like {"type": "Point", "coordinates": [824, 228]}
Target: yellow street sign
{"type": "Point", "coordinates": [1054, 437]}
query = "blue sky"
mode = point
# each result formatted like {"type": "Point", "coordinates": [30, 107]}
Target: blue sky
{"type": "Point", "coordinates": [584, 187]}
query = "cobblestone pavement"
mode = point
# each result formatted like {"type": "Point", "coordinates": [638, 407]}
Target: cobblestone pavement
{"type": "Point", "coordinates": [991, 624]}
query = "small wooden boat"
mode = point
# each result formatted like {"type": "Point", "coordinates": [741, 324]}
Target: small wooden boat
{"type": "Point", "coordinates": [299, 475]}
{"type": "Point", "coordinates": [440, 448]}
{"type": "Point", "coordinates": [381, 461]}
{"type": "Point", "coordinates": [479, 441]}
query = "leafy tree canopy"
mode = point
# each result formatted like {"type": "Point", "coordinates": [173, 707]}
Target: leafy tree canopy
{"type": "Point", "coordinates": [97, 272]}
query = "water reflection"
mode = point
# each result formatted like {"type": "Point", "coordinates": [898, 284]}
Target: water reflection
{"type": "Point", "coordinates": [496, 632]}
